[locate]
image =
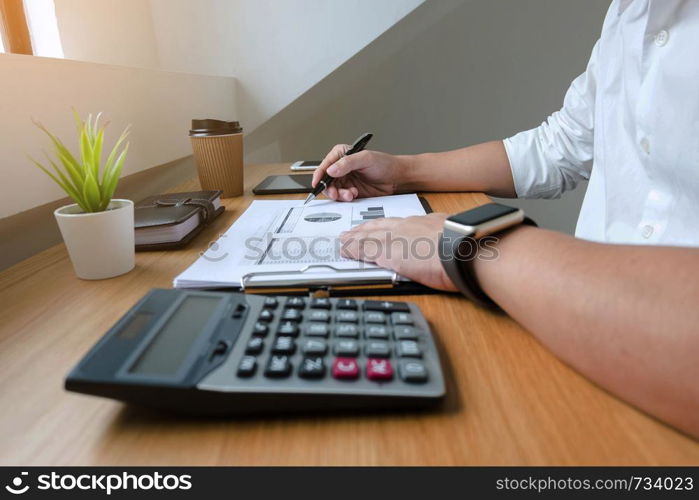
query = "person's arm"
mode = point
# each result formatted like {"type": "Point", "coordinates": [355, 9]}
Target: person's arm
{"type": "Point", "coordinates": [625, 316]}
{"type": "Point", "coordinates": [539, 163]}
{"type": "Point", "coordinates": [483, 167]}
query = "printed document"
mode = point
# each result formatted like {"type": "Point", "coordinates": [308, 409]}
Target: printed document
{"type": "Point", "coordinates": [284, 238]}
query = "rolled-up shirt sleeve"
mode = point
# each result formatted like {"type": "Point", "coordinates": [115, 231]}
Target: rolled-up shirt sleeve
{"type": "Point", "coordinates": [554, 157]}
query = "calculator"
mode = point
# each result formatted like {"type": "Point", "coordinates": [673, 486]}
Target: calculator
{"type": "Point", "coordinates": [219, 353]}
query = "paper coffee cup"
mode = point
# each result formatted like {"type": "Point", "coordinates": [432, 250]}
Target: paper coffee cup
{"type": "Point", "coordinates": [218, 154]}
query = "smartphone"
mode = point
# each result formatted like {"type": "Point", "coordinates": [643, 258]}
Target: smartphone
{"type": "Point", "coordinates": [282, 184]}
{"type": "Point", "coordinates": [301, 166]}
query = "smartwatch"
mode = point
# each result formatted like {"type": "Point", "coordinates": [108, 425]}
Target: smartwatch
{"type": "Point", "coordinates": [460, 241]}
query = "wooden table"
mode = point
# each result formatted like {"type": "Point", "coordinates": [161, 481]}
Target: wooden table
{"type": "Point", "coordinates": [509, 400]}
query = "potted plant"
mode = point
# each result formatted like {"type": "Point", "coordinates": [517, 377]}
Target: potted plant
{"type": "Point", "coordinates": [98, 231]}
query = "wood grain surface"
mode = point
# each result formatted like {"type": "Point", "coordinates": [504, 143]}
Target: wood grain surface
{"type": "Point", "coordinates": [509, 401]}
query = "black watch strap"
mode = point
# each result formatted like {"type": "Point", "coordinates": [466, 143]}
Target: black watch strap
{"type": "Point", "coordinates": [457, 251]}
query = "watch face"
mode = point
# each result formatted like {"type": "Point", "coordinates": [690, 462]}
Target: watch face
{"type": "Point", "coordinates": [482, 214]}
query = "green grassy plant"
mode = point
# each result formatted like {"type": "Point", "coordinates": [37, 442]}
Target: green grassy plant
{"type": "Point", "coordinates": [88, 183]}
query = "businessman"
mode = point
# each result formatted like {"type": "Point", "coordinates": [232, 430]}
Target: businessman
{"type": "Point", "coordinates": [620, 301]}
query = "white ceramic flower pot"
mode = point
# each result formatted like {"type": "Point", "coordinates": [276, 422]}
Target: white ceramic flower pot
{"type": "Point", "coordinates": [100, 244]}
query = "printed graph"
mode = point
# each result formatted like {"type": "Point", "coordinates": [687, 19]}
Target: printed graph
{"type": "Point", "coordinates": [322, 217]}
{"type": "Point", "coordinates": [366, 215]}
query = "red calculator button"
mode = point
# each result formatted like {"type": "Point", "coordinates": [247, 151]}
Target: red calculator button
{"type": "Point", "coordinates": [345, 368]}
{"type": "Point", "coordinates": [379, 369]}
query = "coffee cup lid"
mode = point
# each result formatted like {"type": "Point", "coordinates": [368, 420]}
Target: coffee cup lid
{"type": "Point", "coordinates": [210, 126]}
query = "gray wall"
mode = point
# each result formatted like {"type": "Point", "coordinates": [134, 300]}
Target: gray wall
{"type": "Point", "coordinates": [452, 73]}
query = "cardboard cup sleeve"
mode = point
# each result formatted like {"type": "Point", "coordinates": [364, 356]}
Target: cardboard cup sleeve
{"type": "Point", "coordinates": [219, 160]}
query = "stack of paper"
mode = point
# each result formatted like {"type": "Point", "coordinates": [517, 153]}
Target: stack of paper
{"type": "Point", "coordinates": [288, 243]}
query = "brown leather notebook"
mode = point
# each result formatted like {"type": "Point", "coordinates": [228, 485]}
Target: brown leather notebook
{"type": "Point", "coordinates": [172, 220]}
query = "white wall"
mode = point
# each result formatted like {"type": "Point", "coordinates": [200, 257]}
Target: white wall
{"type": "Point", "coordinates": [158, 104]}
{"type": "Point", "coordinates": [277, 49]}
{"type": "Point", "coordinates": [108, 31]}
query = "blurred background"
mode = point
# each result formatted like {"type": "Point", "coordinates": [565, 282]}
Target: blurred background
{"type": "Point", "coordinates": [300, 75]}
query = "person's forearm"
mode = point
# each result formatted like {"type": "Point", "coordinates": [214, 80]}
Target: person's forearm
{"type": "Point", "coordinates": [483, 167]}
{"type": "Point", "coordinates": [625, 316]}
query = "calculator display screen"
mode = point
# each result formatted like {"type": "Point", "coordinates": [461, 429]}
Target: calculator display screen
{"type": "Point", "coordinates": [171, 345]}
{"type": "Point", "coordinates": [136, 325]}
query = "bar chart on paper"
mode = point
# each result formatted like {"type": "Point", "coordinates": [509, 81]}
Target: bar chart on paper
{"type": "Point", "coordinates": [290, 243]}
{"type": "Point", "coordinates": [283, 236]}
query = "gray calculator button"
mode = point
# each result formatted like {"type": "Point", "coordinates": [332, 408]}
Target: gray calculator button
{"type": "Point", "coordinates": [376, 332]}
{"type": "Point", "coordinates": [247, 366]}
{"type": "Point", "coordinates": [347, 348]}
{"type": "Point", "coordinates": [278, 366]}
{"type": "Point", "coordinates": [374, 317]}
{"type": "Point", "coordinates": [284, 345]}
{"type": "Point", "coordinates": [347, 317]}
{"type": "Point", "coordinates": [405, 333]}
{"type": "Point", "coordinates": [412, 371]}
{"type": "Point", "coordinates": [320, 303]}
{"type": "Point", "coordinates": [266, 315]}
{"type": "Point", "coordinates": [347, 330]}
{"type": "Point", "coordinates": [378, 349]}
{"type": "Point", "coordinates": [409, 349]}
{"type": "Point", "coordinates": [288, 328]}
{"type": "Point", "coordinates": [313, 346]}
{"type": "Point", "coordinates": [260, 329]}
{"type": "Point", "coordinates": [271, 302]}
{"type": "Point", "coordinates": [255, 346]}
{"type": "Point", "coordinates": [317, 330]}
{"type": "Point", "coordinates": [318, 315]}
{"type": "Point", "coordinates": [292, 315]}
{"type": "Point", "coordinates": [401, 318]}
{"type": "Point", "coordinates": [296, 302]}
{"type": "Point", "coordinates": [350, 304]}
{"type": "Point", "coordinates": [385, 306]}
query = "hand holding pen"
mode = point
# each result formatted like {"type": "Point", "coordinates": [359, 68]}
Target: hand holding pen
{"type": "Point", "coordinates": [361, 175]}
{"type": "Point", "coordinates": [322, 184]}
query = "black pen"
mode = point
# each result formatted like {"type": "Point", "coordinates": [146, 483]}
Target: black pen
{"type": "Point", "coordinates": [325, 182]}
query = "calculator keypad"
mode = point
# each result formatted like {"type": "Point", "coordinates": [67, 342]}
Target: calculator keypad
{"type": "Point", "coordinates": [347, 330]}
{"type": "Point", "coordinates": [347, 348]}
{"type": "Point", "coordinates": [247, 366]}
{"type": "Point", "coordinates": [312, 367]}
{"type": "Point", "coordinates": [261, 329]}
{"type": "Point", "coordinates": [291, 315]}
{"type": "Point", "coordinates": [255, 346]}
{"type": "Point", "coordinates": [378, 349]}
{"type": "Point", "coordinates": [317, 330]}
{"type": "Point", "coordinates": [379, 369]}
{"type": "Point", "coordinates": [413, 371]}
{"type": "Point", "coordinates": [345, 368]}
{"type": "Point", "coordinates": [266, 316]}
{"type": "Point", "coordinates": [278, 367]}
{"type": "Point", "coordinates": [313, 346]}
{"type": "Point", "coordinates": [290, 328]}
{"type": "Point", "coordinates": [342, 339]}
{"type": "Point", "coordinates": [284, 345]}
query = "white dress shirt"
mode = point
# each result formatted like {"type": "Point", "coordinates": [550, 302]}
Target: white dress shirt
{"type": "Point", "coordinates": [629, 124]}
